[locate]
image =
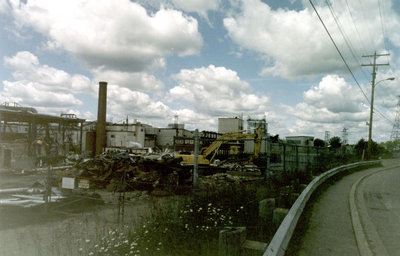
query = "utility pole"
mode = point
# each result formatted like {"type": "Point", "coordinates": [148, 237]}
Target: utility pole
{"type": "Point", "coordinates": [374, 65]}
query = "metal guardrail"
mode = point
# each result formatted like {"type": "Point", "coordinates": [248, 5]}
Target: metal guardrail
{"type": "Point", "coordinates": [280, 241]}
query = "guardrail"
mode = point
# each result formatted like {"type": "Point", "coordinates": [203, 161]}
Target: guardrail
{"type": "Point", "coordinates": [280, 241]}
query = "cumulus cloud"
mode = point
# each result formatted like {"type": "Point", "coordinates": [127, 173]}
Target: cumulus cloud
{"type": "Point", "coordinates": [4, 7]}
{"type": "Point", "coordinates": [27, 69]}
{"type": "Point", "coordinates": [123, 101]}
{"type": "Point", "coordinates": [133, 80]}
{"type": "Point", "coordinates": [199, 6]}
{"type": "Point", "coordinates": [216, 91]}
{"type": "Point", "coordinates": [27, 93]}
{"type": "Point", "coordinates": [331, 101]}
{"type": "Point", "coordinates": [48, 89]}
{"type": "Point", "coordinates": [387, 92]}
{"type": "Point", "coordinates": [116, 35]}
{"type": "Point", "coordinates": [194, 120]}
{"type": "Point", "coordinates": [335, 95]}
{"type": "Point", "coordinates": [293, 43]}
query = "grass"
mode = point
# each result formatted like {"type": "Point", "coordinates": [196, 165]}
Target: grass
{"type": "Point", "coordinates": [181, 225]}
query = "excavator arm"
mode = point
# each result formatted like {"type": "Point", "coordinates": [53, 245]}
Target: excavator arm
{"type": "Point", "coordinates": [214, 147]}
{"type": "Point", "coordinates": [204, 156]}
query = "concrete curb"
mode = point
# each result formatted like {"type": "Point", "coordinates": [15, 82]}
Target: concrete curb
{"type": "Point", "coordinates": [280, 241]}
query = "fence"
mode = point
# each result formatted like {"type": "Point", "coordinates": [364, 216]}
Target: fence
{"type": "Point", "coordinates": [282, 156]}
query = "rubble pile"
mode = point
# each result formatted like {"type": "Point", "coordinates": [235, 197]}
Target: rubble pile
{"type": "Point", "coordinates": [223, 179]}
{"type": "Point", "coordinates": [124, 171]}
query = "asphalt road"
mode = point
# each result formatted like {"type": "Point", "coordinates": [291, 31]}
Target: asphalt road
{"type": "Point", "coordinates": [381, 192]}
{"type": "Point", "coordinates": [332, 227]}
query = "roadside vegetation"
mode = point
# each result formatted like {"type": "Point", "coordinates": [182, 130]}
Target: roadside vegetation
{"type": "Point", "coordinates": [187, 225]}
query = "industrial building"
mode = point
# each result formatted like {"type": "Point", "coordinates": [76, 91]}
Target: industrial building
{"type": "Point", "coordinates": [230, 124]}
{"type": "Point", "coordinates": [29, 138]}
{"type": "Point", "coordinates": [300, 140]}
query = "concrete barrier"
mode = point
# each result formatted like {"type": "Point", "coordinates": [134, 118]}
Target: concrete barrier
{"type": "Point", "coordinates": [281, 239]}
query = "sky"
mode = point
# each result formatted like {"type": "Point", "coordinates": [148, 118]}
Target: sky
{"type": "Point", "coordinates": [204, 59]}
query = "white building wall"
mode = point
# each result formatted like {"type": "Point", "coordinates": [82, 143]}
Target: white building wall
{"type": "Point", "coordinates": [226, 125]}
{"type": "Point", "coordinates": [125, 136]}
{"type": "Point", "coordinates": [249, 147]}
{"type": "Point", "coordinates": [165, 136]}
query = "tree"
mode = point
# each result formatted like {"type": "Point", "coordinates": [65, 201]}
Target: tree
{"type": "Point", "coordinates": [360, 147]}
{"type": "Point", "coordinates": [319, 143]}
{"type": "Point", "coordinates": [335, 142]}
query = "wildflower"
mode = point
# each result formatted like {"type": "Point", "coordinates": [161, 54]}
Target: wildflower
{"type": "Point", "coordinates": [87, 240]}
{"type": "Point", "coordinates": [146, 231]}
{"type": "Point", "coordinates": [96, 245]}
{"type": "Point", "coordinates": [158, 249]}
{"type": "Point", "coordinates": [80, 249]}
{"type": "Point", "coordinates": [241, 207]}
{"type": "Point", "coordinates": [91, 253]}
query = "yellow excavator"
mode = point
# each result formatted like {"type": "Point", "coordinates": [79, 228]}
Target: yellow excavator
{"type": "Point", "coordinates": [207, 155]}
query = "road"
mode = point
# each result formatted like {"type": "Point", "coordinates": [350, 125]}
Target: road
{"type": "Point", "coordinates": [358, 215]}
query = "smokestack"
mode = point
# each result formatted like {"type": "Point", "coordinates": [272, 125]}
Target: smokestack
{"type": "Point", "coordinates": [101, 118]}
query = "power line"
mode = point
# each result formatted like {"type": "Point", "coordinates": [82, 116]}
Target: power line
{"type": "Point", "coordinates": [345, 36]}
{"type": "Point", "coordinates": [355, 27]}
{"type": "Point", "coordinates": [382, 115]}
{"type": "Point", "coordinates": [365, 18]}
{"type": "Point", "coordinates": [337, 49]}
{"type": "Point", "coordinates": [347, 66]}
{"type": "Point", "coordinates": [383, 30]}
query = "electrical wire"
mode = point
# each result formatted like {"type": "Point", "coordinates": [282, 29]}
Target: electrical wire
{"type": "Point", "coordinates": [355, 27]}
{"type": "Point", "coordinates": [358, 34]}
{"type": "Point", "coordinates": [382, 115]}
{"type": "Point", "coordinates": [382, 27]}
{"type": "Point", "coordinates": [337, 49]}
{"type": "Point", "coordinates": [347, 66]}
{"type": "Point", "coordinates": [366, 18]}
{"type": "Point", "coordinates": [345, 37]}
